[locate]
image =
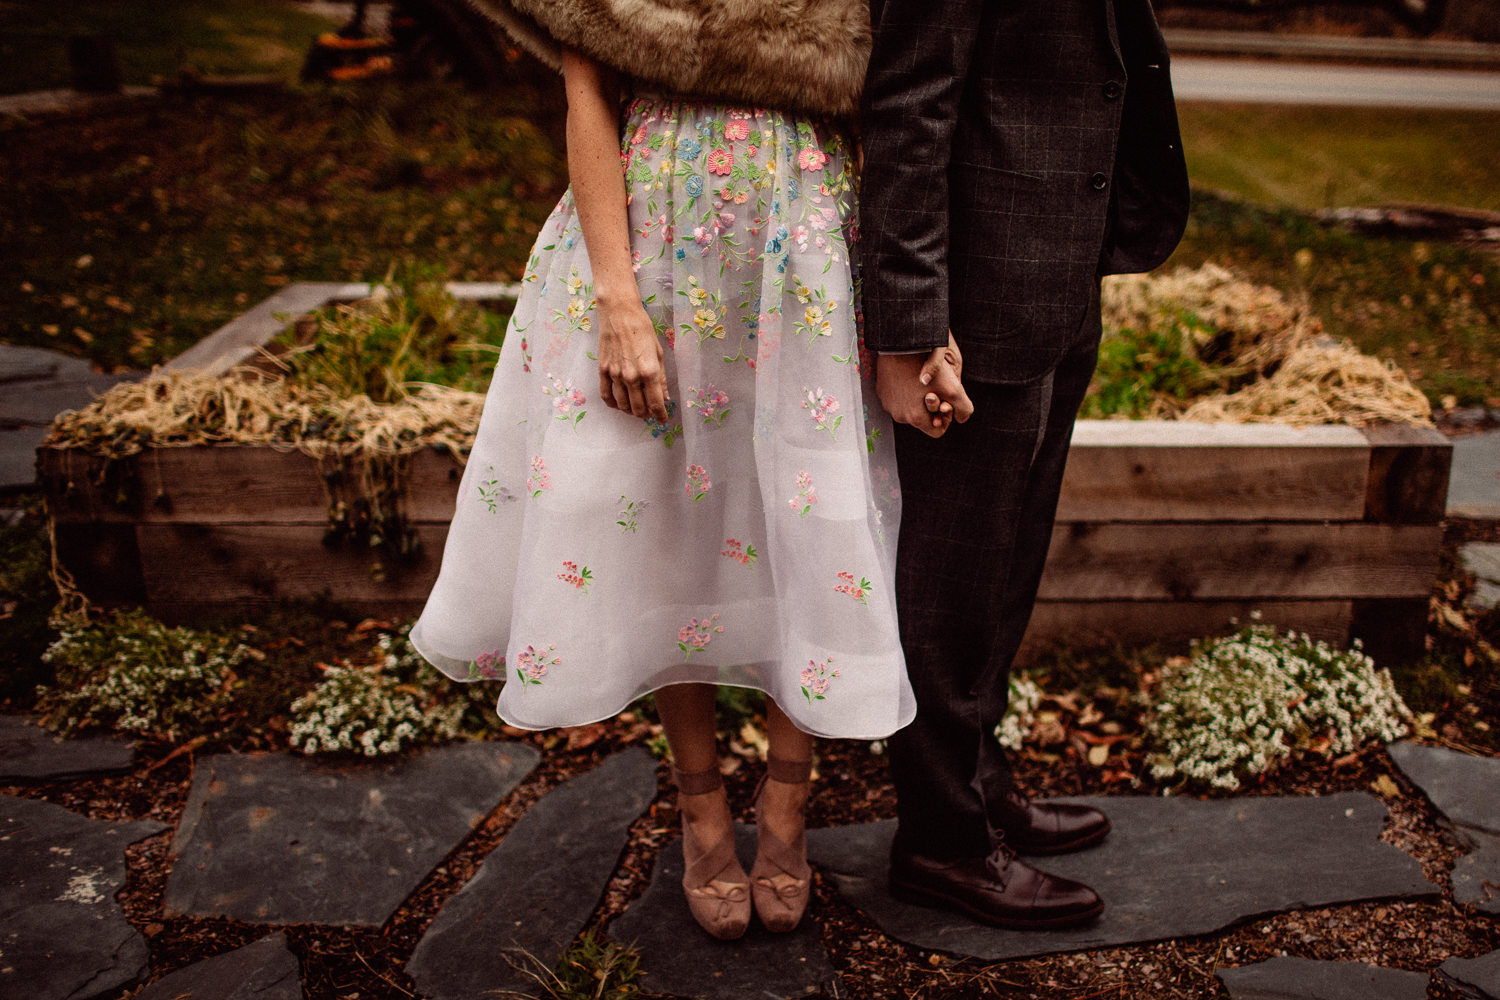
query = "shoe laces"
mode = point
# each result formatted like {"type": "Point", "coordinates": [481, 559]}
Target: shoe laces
{"type": "Point", "coordinates": [1000, 859]}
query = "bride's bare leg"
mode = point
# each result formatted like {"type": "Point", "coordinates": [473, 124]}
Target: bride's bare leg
{"type": "Point", "coordinates": [782, 804]}
{"type": "Point", "coordinates": [687, 716]}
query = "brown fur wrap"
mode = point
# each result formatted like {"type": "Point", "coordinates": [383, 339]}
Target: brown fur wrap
{"type": "Point", "coordinates": [792, 55]}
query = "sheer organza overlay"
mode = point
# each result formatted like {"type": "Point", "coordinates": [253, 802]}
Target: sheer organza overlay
{"type": "Point", "coordinates": [750, 540]}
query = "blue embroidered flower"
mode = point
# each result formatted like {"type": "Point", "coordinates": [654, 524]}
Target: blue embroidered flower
{"type": "Point", "coordinates": [689, 148]}
{"type": "Point", "coordinates": [773, 246]}
{"type": "Point", "coordinates": [793, 188]}
{"type": "Point", "coordinates": [680, 253]}
{"type": "Point", "coordinates": [693, 186]}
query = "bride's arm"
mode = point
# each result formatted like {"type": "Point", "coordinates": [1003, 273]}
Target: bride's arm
{"type": "Point", "coordinates": [631, 375]}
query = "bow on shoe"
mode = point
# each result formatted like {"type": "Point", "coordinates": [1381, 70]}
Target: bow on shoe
{"type": "Point", "coordinates": [786, 893]}
{"type": "Point", "coordinates": [726, 899]}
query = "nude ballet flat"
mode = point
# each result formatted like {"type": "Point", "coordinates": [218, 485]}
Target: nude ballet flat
{"type": "Point", "coordinates": [780, 909]}
{"type": "Point", "coordinates": [724, 913]}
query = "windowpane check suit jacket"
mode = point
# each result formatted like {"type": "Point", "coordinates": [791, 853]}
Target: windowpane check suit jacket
{"type": "Point", "coordinates": [1015, 150]}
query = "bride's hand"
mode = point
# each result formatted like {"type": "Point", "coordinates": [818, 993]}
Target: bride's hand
{"type": "Point", "coordinates": [631, 374]}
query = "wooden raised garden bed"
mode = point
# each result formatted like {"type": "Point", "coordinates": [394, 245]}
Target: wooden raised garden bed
{"type": "Point", "coordinates": [1166, 529]}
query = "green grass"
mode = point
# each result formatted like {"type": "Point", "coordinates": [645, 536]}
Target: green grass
{"type": "Point", "coordinates": [128, 237]}
{"type": "Point", "coordinates": [153, 39]}
{"type": "Point", "coordinates": [1432, 308]}
{"type": "Point", "coordinates": [1315, 157]}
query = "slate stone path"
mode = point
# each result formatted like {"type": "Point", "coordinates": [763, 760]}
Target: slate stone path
{"type": "Point", "coordinates": [537, 889]}
{"type": "Point", "coordinates": [681, 960]}
{"type": "Point", "coordinates": [282, 839]}
{"type": "Point", "coordinates": [62, 934]}
{"type": "Point", "coordinates": [35, 386]}
{"type": "Point", "coordinates": [1474, 482]}
{"type": "Point", "coordinates": [1466, 789]}
{"type": "Point", "coordinates": [265, 970]}
{"type": "Point", "coordinates": [29, 752]}
{"type": "Point", "coordinates": [1476, 978]}
{"type": "Point", "coordinates": [1170, 868]}
{"type": "Point", "coordinates": [1287, 978]}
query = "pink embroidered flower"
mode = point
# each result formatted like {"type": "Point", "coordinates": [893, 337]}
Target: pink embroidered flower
{"type": "Point", "coordinates": [695, 636]}
{"type": "Point", "coordinates": [712, 404]}
{"type": "Point", "coordinates": [726, 193]}
{"type": "Point", "coordinates": [489, 666]}
{"type": "Point", "coordinates": [812, 159]}
{"type": "Point", "coordinates": [858, 591]}
{"type": "Point", "coordinates": [822, 407]}
{"type": "Point", "coordinates": [702, 235]}
{"type": "Point", "coordinates": [720, 161]}
{"type": "Point", "coordinates": [726, 219]}
{"type": "Point", "coordinates": [538, 480]}
{"type": "Point", "coordinates": [753, 149]}
{"type": "Point", "coordinates": [737, 131]}
{"type": "Point", "coordinates": [742, 197]}
{"type": "Point", "coordinates": [698, 483]}
{"type": "Point", "coordinates": [639, 137]}
{"type": "Point", "coordinates": [800, 235]}
{"type": "Point", "coordinates": [744, 554]}
{"type": "Point", "coordinates": [574, 577]}
{"type": "Point", "coordinates": [532, 665]}
{"type": "Point", "coordinates": [807, 495]}
{"type": "Point", "coordinates": [815, 679]}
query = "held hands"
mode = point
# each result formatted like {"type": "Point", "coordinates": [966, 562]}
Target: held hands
{"type": "Point", "coordinates": [631, 374]}
{"type": "Point", "coordinates": [927, 393]}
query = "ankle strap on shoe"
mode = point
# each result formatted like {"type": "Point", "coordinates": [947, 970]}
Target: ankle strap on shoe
{"type": "Point", "coordinates": [789, 772]}
{"type": "Point", "coordinates": [697, 782]}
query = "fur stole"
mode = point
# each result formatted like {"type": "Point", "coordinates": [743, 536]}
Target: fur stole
{"type": "Point", "coordinates": [792, 55]}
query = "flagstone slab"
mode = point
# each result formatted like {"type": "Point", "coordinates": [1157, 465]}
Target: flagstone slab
{"type": "Point", "coordinates": [1464, 787]}
{"type": "Point", "coordinates": [62, 934]}
{"type": "Point", "coordinates": [1171, 867]}
{"type": "Point", "coordinates": [1476, 978]}
{"type": "Point", "coordinates": [265, 970]}
{"type": "Point", "coordinates": [286, 839]}
{"type": "Point", "coordinates": [538, 888]}
{"type": "Point", "coordinates": [1289, 978]}
{"type": "Point", "coordinates": [1476, 875]}
{"type": "Point", "coordinates": [682, 960]}
{"type": "Point", "coordinates": [27, 751]}
{"type": "Point", "coordinates": [1474, 482]}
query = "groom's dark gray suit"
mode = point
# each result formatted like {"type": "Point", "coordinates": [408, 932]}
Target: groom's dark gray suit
{"type": "Point", "coordinates": [1015, 151]}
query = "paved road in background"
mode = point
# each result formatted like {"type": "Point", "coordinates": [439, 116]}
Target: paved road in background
{"type": "Point", "coordinates": [1198, 79]}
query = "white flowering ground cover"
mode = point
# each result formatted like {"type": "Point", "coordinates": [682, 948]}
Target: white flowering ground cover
{"type": "Point", "coordinates": [1240, 704]}
{"type": "Point", "coordinates": [130, 672]}
{"type": "Point", "coordinates": [395, 702]}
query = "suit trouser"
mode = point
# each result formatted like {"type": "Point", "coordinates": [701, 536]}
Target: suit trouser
{"type": "Point", "coordinates": [978, 505]}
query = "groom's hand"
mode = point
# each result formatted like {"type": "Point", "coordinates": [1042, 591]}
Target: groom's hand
{"type": "Point", "coordinates": [925, 392]}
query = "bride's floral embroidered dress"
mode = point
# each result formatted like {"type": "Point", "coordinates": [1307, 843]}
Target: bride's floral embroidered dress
{"type": "Point", "coordinates": [750, 540]}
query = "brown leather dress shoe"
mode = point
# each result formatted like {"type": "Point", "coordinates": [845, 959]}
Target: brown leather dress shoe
{"type": "Point", "coordinates": [1000, 890]}
{"type": "Point", "coordinates": [1048, 827]}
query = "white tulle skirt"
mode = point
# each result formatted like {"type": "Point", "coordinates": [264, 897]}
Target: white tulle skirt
{"type": "Point", "coordinates": [750, 540]}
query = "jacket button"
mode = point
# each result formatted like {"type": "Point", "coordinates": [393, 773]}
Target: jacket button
{"type": "Point", "coordinates": [1112, 90]}
{"type": "Point", "coordinates": [1099, 182]}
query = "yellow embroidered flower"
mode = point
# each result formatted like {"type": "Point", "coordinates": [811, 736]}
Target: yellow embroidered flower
{"type": "Point", "coordinates": [814, 317]}
{"type": "Point", "coordinates": [803, 293]}
{"type": "Point", "coordinates": [697, 296]}
{"type": "Point", "coordinates": [576, 309]}
{"type": "Point", "coordinates": [704, 317]}
{"type": "Point", "coordinates": [575, 283]}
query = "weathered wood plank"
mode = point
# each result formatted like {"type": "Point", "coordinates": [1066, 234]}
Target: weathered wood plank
{"type": "Point", "coordinates": [236, 564]}
{"type": "Point", "coordinates": [1172, 625]}
{"type": "Point", "coordinates": [1145, 562]}
{"type": "Point", "coordinates": [1215, 482]}
{"type": "Point", "coordinates": [1409, 469]}
{"type": "Point", "coordinates": [227, 485]}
